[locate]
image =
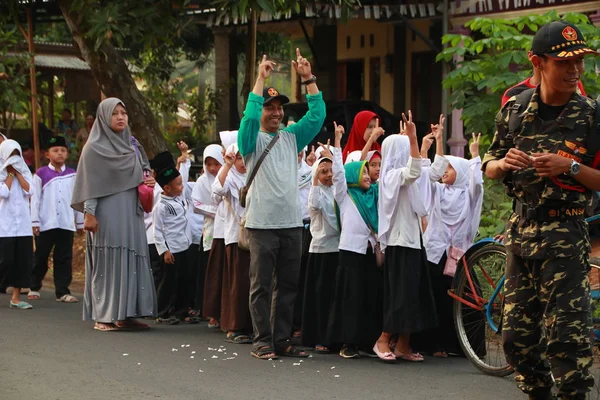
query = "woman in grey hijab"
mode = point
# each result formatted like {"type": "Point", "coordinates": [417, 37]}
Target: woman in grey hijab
{"type": "Point", "coordinates": [118, 280]}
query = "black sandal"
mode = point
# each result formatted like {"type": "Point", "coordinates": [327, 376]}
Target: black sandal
{"type": "Point", "coordinates": [238, 338]}
{"type": "Point", "coordinates": [292, 351]}
{"type": "Point", "coordinates": [264, 353]}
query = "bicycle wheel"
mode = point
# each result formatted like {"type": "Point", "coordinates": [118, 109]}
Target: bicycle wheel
{"type": "Point", "coordinates": [479, 339]}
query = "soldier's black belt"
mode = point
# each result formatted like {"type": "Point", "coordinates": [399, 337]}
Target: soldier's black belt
{"type": "Point", "coordinates": [548, 214]}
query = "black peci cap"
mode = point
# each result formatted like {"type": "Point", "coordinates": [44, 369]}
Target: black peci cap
{"type": "Point", "coordinates": [57, 141]}
{"type": "Point", "coordinates": [560, 40]}
{"type": "Point", "coordinates": [270, 94]}
{"type": "Point", "coordinates": [162, 161]}
{"type": "Point", "coordinates": [165, 176]}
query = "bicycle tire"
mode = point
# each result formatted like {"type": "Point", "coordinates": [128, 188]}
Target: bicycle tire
{"type": "Point", "coordinates": [460, 283]}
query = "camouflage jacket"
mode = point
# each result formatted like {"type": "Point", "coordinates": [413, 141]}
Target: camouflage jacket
{"type": "Point", "coordinates": [567, 137]}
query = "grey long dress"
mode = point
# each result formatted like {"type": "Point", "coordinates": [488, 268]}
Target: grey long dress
{"type": "Point", "coordinates": [118, 280]}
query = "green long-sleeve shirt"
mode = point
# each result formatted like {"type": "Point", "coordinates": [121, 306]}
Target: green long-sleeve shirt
{"type": "Point", "coordinates": [273, 198]}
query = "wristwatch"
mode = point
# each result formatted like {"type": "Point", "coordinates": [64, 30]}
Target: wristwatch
{"type": "Point", "coordinates": [574, 170]}
{"type": "Point", "coordinates": [310, 80]}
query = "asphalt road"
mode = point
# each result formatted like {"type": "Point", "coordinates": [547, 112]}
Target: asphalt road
{"type": "Point", "coordinates": [50, 353]}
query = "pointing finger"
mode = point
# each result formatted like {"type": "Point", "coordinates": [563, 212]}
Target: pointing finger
{"type": "Point", "coordinates": [298, 52]}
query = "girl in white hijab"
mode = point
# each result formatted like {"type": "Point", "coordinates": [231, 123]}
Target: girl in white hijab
{"type": "Point", "coordinates": [16, 243]}
{"type": "Point", "coordinates": [323, 255]}
{"type": "Point", "coordinates": [235, 295]}
{"type": "Point", "coordinates": [408, 300]}
{"type": "Point", "coordinates": [454, 212]}
{"type": "Point", "coordinates": [213, 240]}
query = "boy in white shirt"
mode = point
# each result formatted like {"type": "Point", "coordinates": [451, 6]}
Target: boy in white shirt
{"type": "Point", "coordinates": [173, 238]}
{"type": "Point", "coordinates": [54, 221]}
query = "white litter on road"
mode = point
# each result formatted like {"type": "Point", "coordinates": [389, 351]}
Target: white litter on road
{"type": "Point", "coordinates": [125, 354]}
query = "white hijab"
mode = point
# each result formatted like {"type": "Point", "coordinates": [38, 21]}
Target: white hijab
{"type": "Point", "coordinates": [304, 172]}
{"type": "Point", "coordinates": [328, 209]}
{"type": "Point", "coordinates": [228, 138]}
{"type": "Point", "coordinates": [354, 156]}
{"type": "Point", "coordinates": [454, 199]}
{"type": "Point", "coordinates": [395, 154]}
{"type": "Point", "coordinates": [206, 180]}
{"type": "Point", "coordinates": [237, 179]}
{"type": "Point", "coordinates": [7, 147]}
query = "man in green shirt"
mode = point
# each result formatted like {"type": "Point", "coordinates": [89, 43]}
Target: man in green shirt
{"type": "Point", "coordinates": [272, 207]}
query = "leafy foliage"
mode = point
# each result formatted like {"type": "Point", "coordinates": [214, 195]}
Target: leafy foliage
{"type": "Point", "coordinates": [243, 7]}
{"type": "Point", "coordinates": [495, 58]}
{"type": "Point", "coordinates": [14, 92]}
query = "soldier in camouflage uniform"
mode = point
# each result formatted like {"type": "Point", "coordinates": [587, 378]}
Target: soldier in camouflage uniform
{"type": "Point", "coordinates": [542, 149]}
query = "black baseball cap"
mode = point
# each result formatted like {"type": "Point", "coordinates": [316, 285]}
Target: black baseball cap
{"type": "Point", "coordinates": [560, 40]}
{"type": "Point", "coordinates": [270, 94]}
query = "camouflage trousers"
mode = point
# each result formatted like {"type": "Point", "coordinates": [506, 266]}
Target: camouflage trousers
{"type": "Point", "coordinates": [546, 325]}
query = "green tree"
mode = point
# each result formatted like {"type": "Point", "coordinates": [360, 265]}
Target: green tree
{"type": "Point", "coordinates": [495, 58]}
{"type": "Point", "coordinates": [14, 92]}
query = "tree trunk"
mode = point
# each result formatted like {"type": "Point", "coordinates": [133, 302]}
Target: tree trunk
{"type": "Point", "coordinates": [114, 79]}
{"type": "Point", "coordinates": [250, 56]}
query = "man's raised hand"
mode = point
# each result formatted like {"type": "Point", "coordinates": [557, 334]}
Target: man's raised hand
{"type": "Point", "coordinates": [302, 66]}
{"type": "Point", "coordinates": [265, 68]}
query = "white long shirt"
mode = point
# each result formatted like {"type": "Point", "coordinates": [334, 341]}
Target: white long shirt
{"type": "Point", "coordinates": [231, 221]}
{"type": "Point", "coordinates": [172, 230]}
{"type": "Point", "coordinates": [355, 235]}
{"type": "Point", "coordinates": [184, 170]}
{"type": "Point", "coordinates": [15, 218]}
{"type": "Point", "coordinates": [51, 200]}
{"type": "Point", "coordinates": [405, 225]}
{"type": "Point", "coordinates": [325, 236]}
{"type": "Point", "coordinates": [439, 237]}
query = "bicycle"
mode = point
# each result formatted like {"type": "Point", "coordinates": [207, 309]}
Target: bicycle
{"type": "Point", "coordinates": [477, 291]}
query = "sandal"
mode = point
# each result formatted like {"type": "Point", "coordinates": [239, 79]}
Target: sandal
{"type": "Point", "coordinates": [264, 353]}
{"type": "Point", "coordinates": [102, 327]}
{"type": "Point", "coordinates": [33, 295]}
{"type": "Point", "coordinates": [440, 354]}
{"type": "Point", "coordinates": [191, 320]}
{"type": "Point", "coordinates": [292, 351]}
{"type": "Point", "coordinates": [67, 298]}
{"type": "Point", "coordinates": [213, 323]}
{"type": "Point", "coordinates": [320, 349]}
{"type": "Point", "coordinates": [238, 338]}
{"type": "Point", "coordinates": [168, 321]}
{"type": "Point", "coordinates": [132, 324]}
{"type": "Point", "coordinates": [412, 357]}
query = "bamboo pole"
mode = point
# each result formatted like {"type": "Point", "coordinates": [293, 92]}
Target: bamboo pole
{"type": "Point", "coordinates": [33, 82]}
{"type": "Point", "coordinates": [253, 38]}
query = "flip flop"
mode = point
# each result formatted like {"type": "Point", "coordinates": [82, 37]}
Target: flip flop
{"type": "Point", "coordinates": [264, 353]}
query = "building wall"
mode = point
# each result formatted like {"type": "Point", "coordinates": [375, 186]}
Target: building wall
{"type": "Point", "coordinates": [383, 45]}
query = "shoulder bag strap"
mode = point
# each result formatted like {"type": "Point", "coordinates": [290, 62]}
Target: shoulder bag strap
{"type": "Point", "coordinates": [261, 159]}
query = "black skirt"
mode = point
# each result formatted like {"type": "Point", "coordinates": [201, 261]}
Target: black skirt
{"type": "Point", "coordinates": [356, 310]}
{"type": "Point", "coordinates": [409, 305]}
{"type": "Point", "coordinates": [211, 307]}
{"type": "Point", "coordinates": [442, 338]}
{"type": "Point", "coordinates": [197, 274]}
{"type": "Point", "coordinates": [306, 239]}
{"type": "Point", "coordinates": [318, 292]}
{"type": "Point", "coordinates": [16, 261]}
